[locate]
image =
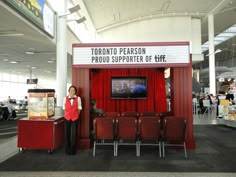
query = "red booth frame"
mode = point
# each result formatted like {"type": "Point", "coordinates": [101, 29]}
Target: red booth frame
{"type": "Point", "coordinates": [180, 79]}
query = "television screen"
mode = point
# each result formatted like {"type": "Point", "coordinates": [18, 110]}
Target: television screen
{"type": "Point", "coordinates": [128, 87]}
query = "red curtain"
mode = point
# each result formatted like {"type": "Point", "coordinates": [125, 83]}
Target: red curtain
{"type": "Point", "coordinates": [101, 85]}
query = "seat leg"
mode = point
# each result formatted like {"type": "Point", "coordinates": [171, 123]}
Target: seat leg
{"type": "Point", "coordinates": [117, 144]}
{"type": "Point", "coordinates": [137, 148]}
{"type": "Point", "coordinates": [185, 151]}
{"type": "Point", "coordinates": [163, 149]}
{"type": "Point", "coordinates": [160, 149]}
{"type": "Point", "coordinates": [94, 147]}
{"type": "Point", "coordinates": [114, 146]}
{"type": "Point", "coordinates": [115, 149]}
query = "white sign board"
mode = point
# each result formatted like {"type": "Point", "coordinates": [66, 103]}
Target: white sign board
{"type": "Point", "coordinates": [178, 54]}
{"type": "Point", "coordinates": [48, 20]}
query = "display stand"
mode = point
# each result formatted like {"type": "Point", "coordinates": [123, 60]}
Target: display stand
{"type": "Point", "coordinates": [45, 134]}
{"type": "Point", "coordinates": [41, 103]}
{"type": "Point", "coordinates": [229, 123]}
{"type": "Point", "coordinates": [227, 115]}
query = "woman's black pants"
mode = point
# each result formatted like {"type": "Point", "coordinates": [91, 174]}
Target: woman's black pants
{"type": "Point", "coordinates": [71, 136]}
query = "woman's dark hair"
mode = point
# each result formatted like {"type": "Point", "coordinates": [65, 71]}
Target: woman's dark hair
{"type": "Point", "coordinates": [74, 88]}
{"type": "Point", "coordinates": [93, 102]}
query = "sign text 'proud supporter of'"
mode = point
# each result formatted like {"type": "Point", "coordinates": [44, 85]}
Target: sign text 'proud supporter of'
{"type": "Point", "coordinates": [131, 55]}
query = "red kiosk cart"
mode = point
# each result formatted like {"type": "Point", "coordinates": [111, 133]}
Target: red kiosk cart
{"type": "Point", "coordinates": [41, 129]}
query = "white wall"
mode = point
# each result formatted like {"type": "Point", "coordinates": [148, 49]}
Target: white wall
{"type": "Point", "coordinates": [196, 42]}
{"type": "Point", "coordinates": [71, 39]}
{"type": "Point", "coordinates": [166, 29]}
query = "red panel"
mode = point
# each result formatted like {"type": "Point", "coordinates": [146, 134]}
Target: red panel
{"type": "Point", "coordinates": [59, 132]}
{"type": "Point", "coordinates": [81, 78]}
{"type": "Point", "coordinates": [181, 99]}
{"type": "Point", "coordinates": [40, 134]}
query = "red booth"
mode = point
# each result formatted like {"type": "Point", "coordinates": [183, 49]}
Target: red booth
{"type": "Point", "coordinates": [94, 65]}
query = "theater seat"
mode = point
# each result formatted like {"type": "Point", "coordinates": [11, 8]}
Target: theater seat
{"type": "Point", "coordinates": [111, 114]}
{"type": "Point", "coordinates": [145, 114]}
{"type": "Point", "coordinates": [149, 132]}
{"type": "Point", "coordinates": [130, 114]}
{"type": "Point", "coordinates": [127, 132]}
{"type": "Point", "coordinates": [174, 131]}
{"type": "Point", "coordinates": [104, 132]}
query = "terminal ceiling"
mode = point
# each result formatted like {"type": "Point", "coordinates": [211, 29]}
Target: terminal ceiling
{"type": "Point", "coordinates": [104, 14]}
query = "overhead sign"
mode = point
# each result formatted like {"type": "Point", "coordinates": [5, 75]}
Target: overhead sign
{"type": "Point", "coordinates": [32, 81]}
{"type": "Point", "coordinates": [153, 53]}
{"type": "Point", "coordinates": [37, 11]}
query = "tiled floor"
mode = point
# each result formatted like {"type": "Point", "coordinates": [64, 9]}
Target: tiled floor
{"type": "Point", "coordinates": [205, 119]}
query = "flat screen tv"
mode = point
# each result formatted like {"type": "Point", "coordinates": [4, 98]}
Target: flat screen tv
{"type": "Point", "coordinates": [125, 87]}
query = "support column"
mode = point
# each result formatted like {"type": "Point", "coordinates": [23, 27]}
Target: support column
{"type": "Point", "coordinates": [212, 73]}
{"type": "Point", "coordinates": [61, 77]}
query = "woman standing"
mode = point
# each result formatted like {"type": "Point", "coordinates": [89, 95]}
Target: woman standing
{"type": "Point", "coordinates": [72, 107]}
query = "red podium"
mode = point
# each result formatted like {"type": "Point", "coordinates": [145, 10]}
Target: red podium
{"type": "Point", "coordinates": [45, 134]}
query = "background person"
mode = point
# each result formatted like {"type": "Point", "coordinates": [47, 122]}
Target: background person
{"type": "Point", "coordinates": [72, 107]}
{"type": "Point", "coordinates": [94, 112]}
{"type": "Point", "coordinates": [230, 95]}
{"type": "Point", "coordinates": [94, 108]}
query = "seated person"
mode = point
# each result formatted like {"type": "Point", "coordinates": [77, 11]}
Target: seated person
{"type": "Point", "coordinates": [230, 95]}
{"type": "Point", "coordinates": [94, 112]}
{"type": "Point", "coordinates": [11, 110]}
{"type": "Point", "coordinates": [9, 106]}
{"type": "Point", "coordinates": [94, 109]}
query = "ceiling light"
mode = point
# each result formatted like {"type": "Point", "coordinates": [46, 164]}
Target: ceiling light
{"type": "Point", "coordinates": [48, 71]}
{"type": "Point", "coordinates": [29, 53]}
{"type": "Point", "coordinates": [10, 34]}
{"type": "Point", "coordinates": [5, 59]}
{"type": "Point", "coordinates": [221, 79]}
{"type": "Point", "coordinates": [217, 51]}
{"type": "Point", "coordinates": [14, 62]}
{"type": "Point", "coordinates": [51, 61]}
